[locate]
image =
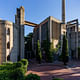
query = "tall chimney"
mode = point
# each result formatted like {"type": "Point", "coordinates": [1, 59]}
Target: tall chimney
{"type": "Point", "coordinates": [63, 11]}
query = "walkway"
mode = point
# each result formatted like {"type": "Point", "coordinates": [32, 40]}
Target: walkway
{"type": "Point", "coordinates": [57, 69]}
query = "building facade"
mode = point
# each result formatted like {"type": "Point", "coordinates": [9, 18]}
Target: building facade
{"type": "Point", "coordinates": [73, 35]}
{"type": "Point", "coordinates": [12, 35]}
{"type": "Point", "coordinates": [12, 38]}
{"type": "Point", "coordinates": [49, 28]}
{"type": "Point", "coordinates": [55, 29]}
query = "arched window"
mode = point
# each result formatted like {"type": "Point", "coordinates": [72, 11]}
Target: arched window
{"type": "Point", "coordinates": [8, 31]}
{"type": "Point", "coordinates": [8, 58]}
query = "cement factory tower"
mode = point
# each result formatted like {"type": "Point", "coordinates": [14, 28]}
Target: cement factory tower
{"type": "Point", "coordinates": [63, 11]}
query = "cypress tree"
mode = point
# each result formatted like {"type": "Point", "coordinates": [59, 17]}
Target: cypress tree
{"type": "Point", "coordinates": [47, 46]}
{"type": "Point", "coordinates": [65, 55]}
{"type": "Point", "coordinates": [38, 53]}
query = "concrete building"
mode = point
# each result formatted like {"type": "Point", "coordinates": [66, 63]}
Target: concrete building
{"type": "Point", "coordinates": [12, 35]}
{"type": "Point", "coordinates": [6, 43]}
{"type": "Point", "coordinates": [50, 28]}
{"type": "Point", "coordinates": [12, 38]}
{"type": "Point", "coordinates": [73, 35]}
{"type": "Point", "coordinates": [54, 28]}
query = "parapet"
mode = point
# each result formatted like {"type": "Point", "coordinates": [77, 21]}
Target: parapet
{"type": "Point", "coordinates": [5, 22]}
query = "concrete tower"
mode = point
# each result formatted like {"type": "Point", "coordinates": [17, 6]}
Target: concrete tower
{"type": "Point", "coordinates": [63, 11]}
{"type": "Point", "coordinates": [19, 20]}
{"type": "Point", "coordinates": [63, 25]}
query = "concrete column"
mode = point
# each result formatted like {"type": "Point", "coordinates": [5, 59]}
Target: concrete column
{"type": "Point", "coordinates": [63, 11]}
{"type": "Point", "coordinates": [20, 21]}
{"type": "Point", "coordinates": [22, 32]}
{"type": "Point", "coordinates": [50, 22]}
{"type": "Point", "coordinates": [76, 40]}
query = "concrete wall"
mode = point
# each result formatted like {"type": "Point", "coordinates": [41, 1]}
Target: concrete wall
{"type": "Point", "coordinates": [12, 43]}
{"type": "Point", "coordinates": [9, 33]}
{"type": "Point", "coordinates": [72, 41]}
{"type": "Point", "coordinates": [15, 50]}
{"type": "Point", "coordinates": [5, 38]}
{"type": "Point", "coordinates": [53, 26]}
{"type": "Point", "coordinates": [55, 31]}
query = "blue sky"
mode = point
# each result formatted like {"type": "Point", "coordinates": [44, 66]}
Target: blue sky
{"type": "Point", "coordinates": [37, 10]}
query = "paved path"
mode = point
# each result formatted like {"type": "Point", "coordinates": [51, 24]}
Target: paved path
{"type": "Point", "coordinates": [47, 71]}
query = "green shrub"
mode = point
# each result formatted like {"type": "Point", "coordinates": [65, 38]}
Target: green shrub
{"type": "Point", "coordinates": [11, 66]}
{"type": "Point", "coordinates": [18, 64]}
{"type": "Point", "coordinates": [58, 79]}
{"type": "Point", "coordinates": [32, 77]}
{"type": "Point", "coordinates": [7, 67]}
{"type": "Point", "coordinates": [7, 63]}
{"type": "Point", "coordinates": [38, 52]}
{"type": "Point", "coordinates": [13, 71]}
{"type": "Point", "coordinates": [65, 55]}
{"type": "Point", "coordinates": [78, 52]}
{"type": "Point", "coordinates": [25, 62]}
{"type": "Point", "coordinates": [4, 75]}
{"type": "Point", "coordinates": [17, 74]}
{"type": "Point", "coordinates": [48, 48]}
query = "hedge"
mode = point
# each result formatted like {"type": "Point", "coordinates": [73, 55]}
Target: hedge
{"type": "Point", "coordinates": [25, 64]}
{"type": "Point", "coordinates": [13, 71]}
{"type": "Point", "coordinates": [7, 63]}
{"type": "Point", "coordinates": [11, 67]}
{"type": "Point", "coordinates": [32, 77]}
{"type": "Point", "coordinates": [17, 74]}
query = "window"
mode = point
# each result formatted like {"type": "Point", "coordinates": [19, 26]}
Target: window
{"type": "Point", "coordinates": [8, 58]}
{"type": "Point", "coordinates": [8, 45]}
{"type": "Point", "coordinates": [8, 31]}
{"type": "Point", "coordinates": [64, 32]}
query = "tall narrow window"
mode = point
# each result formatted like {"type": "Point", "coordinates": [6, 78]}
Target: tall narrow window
{"type": "Point", "coordinates": [8, 45]}
{"type": "Point", "coordinates": [8, 31]}
{"type": "Point", "coordinates": [8, 58]}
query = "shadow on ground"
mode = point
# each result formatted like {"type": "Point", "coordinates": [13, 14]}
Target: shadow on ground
{"type": "Point", "coordinates": [46, 72]}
